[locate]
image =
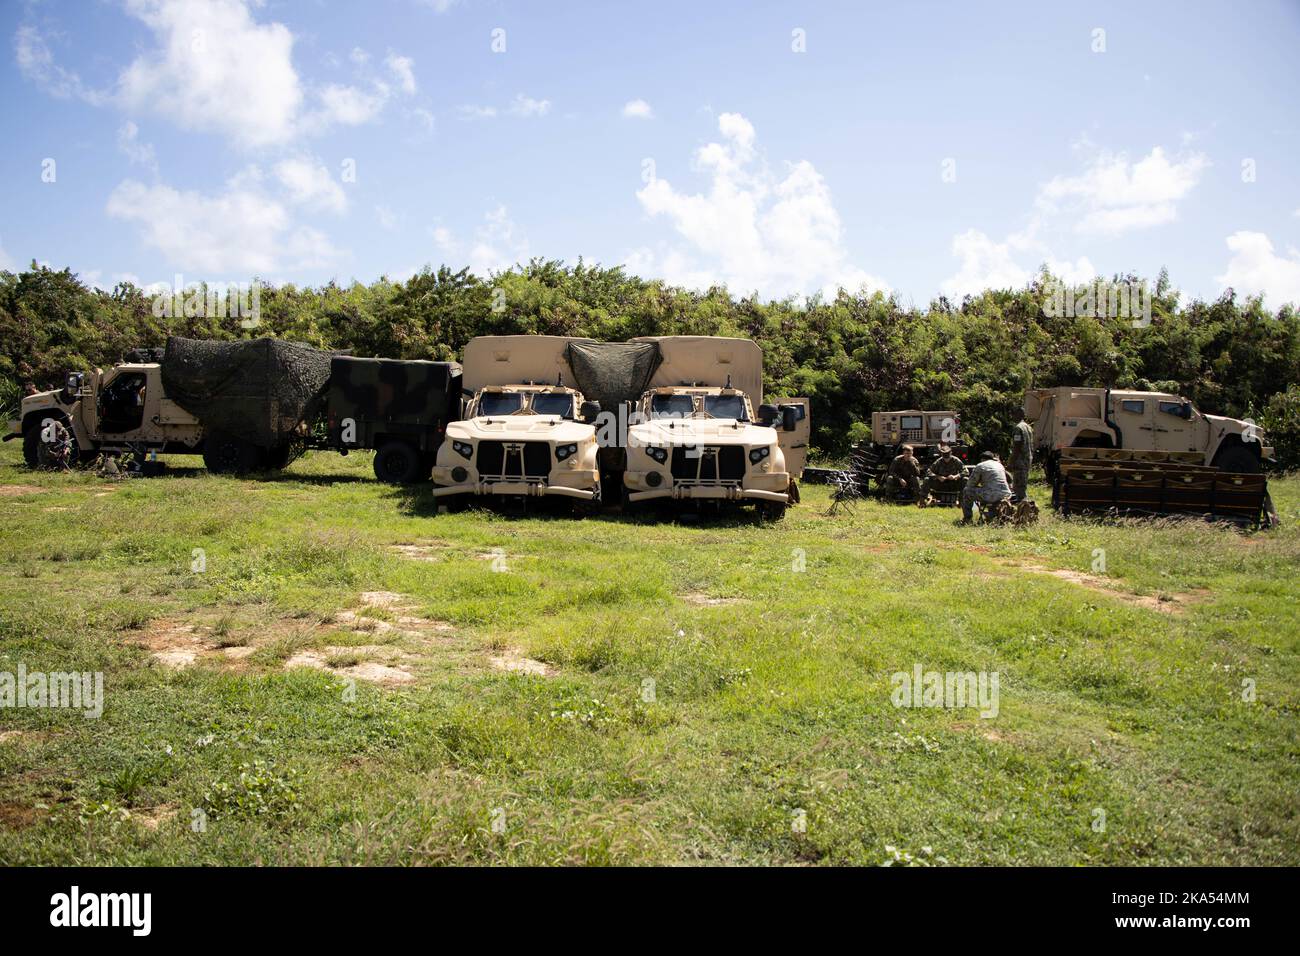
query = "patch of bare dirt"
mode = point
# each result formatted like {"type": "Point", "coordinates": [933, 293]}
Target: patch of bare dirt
{"type": "Point", "coordinates": [14, 491]}
{"type": "Point", "coordinates": [1164, 603]}
{"type": "Point", "coordinates": [371, 671]}
{"type": "Point", "coordinates": [513, 661]}
{"type": "Point", "coordinates": [700, 599]}
{"type": "Point", "coordinates": [9, 735]}
{"type": "Point", "coordinates": [16, 815]}
{"type": "Point", "coordinates": [173, 644]}
{"type": "Point", "coordinates": [418, 552]}
{"type": "Point", "coordinates": [151, 818]}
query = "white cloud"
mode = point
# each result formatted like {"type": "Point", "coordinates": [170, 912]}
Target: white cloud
{"type": "Point", "coordinates": [527, 106]}
{"type": "Point", "coordinates": [402, 67]}
{"type": "Point", "coordinates": [1114, 196]}
{"type": "Point", "coordinates": [753, 230]}
{"type": "Point", "coordinates": [638, 109]}
{"type": "Point", "coordinates": [128, 141]}
{"type": "Point", "coordinates": [497, 244]}
{"type": "Point", "coordinates": [308, 183]}
{"type": "Point", "coordinates": [1255, 269]}
{"type": "Point", "coordinates": [36, 63]}
{"type": "Point", "coordinates": [987, 264]}
{"type": "Point", "coordinates": [470, 111]}
{"type": "Point", "coordinates": [359, 56]}
{"type": "Point", "coordinates": [215, 68]}
{"type": "Point", "coordinates": [241, 231]}
{"type": "Point", "coordinates": [386, 217]}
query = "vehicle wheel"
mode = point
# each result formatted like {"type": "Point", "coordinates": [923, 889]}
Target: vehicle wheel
{"type": "Point", "coordinates": [278, 458]}
{"type": "Point", "coordinates": [793, 492]}
{"type": "Point", "coordinates": [227, 455]}
{"type": "Point", "coordinates": [1239, 459]}
{"type": "Point", "coordinates": [586, 509]}
{"type": "Point", "coordinates": [32, 446]}
{"type": "Point", "coordinates": [771, 510]}
{"type": "Point", "coordinates": [397, 463]}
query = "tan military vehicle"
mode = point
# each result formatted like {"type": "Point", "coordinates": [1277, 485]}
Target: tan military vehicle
{"type": "Point", "coordinates": [121, 410]}
{"type": "Point", "coordinates": [696, 438]}
{"type": "Point", "coordinates": [1150, 426]}
{"type": "Point", "coordinates": [1125, 452]}
{"type": "Point", "coordinates": [525, 433]}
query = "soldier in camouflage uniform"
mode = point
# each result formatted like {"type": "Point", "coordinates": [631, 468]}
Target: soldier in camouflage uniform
{"type": "Point", "coordinates": [944, 473]}
{"type": "Point", "coordinates": [904, 472]}
{"type": "Point", "coordinates": [1022, 456]}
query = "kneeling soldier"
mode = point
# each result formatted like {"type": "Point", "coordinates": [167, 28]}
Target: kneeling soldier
{"type": "Point", "coordinates": [987, 484]}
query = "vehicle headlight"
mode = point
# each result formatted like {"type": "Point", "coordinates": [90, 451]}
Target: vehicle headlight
{"type": "Point", "coordinates": [463, 448]}
{"type": "Point", "coordinates": [758, 454]}
{"type": "Point", "coordinates": [658, 454]}
{"type": "Point", "coordinates": [564, 451]}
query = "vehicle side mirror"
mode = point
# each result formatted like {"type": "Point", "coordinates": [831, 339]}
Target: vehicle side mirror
{"type": "Point", "coordinates": [789, 418]}
{"type": "Point", "coordinates": [589, 411]}
{"type": "Point", "coordinates": [767, 415]}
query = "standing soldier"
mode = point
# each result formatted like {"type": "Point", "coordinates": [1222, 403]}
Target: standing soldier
{"type": "Point", "coordinates": [1022, 456]}
{"type": "Point", "coordinates": [944, 473]}
{"type": "Point", "coordinates": [905, 471]}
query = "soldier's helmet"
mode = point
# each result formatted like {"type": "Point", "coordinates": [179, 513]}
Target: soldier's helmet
{"type": "Point", "coordinates": [907, 449]}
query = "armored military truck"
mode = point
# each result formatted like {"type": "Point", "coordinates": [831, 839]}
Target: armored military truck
{"type": "Point", "coordinates": [123, 410]}
{"type": "Point", "coordinates": [1140, 423]}
{"type": "Point", "coordinates": [1148, 453]}
{"type": "Point", "coordinates": [251, 405]}
{"type": "Point", "coordinates": [525, 432]}
{"type": "Point", "coordinates": [697, 438]}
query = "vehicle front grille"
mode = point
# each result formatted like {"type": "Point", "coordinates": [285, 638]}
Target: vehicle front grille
{"type": "Point", "coordinates": [514, 459]}
{"type": "Point", "coordinates": [708, 463]}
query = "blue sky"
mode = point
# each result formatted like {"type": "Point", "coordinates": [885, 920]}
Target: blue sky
{"type": "Point", "coordinates": [781, 148]}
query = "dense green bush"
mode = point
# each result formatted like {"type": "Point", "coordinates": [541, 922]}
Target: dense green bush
{"type": "Point", "coordinates": [851, 355]}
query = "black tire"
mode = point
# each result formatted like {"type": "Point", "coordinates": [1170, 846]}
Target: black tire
{"type": "Point", "coordinates": [227, 455]}
{"type": "Point", "coordinates": [32, 445]}
{"type": "Point", "coordinates": [1238, 459]}
{"type": "Point", "coordinates": [398, 463]}
{"type": "Point", "coordinates": [278, 458]}
{"type": "Point", "coordinates": [771, 510]}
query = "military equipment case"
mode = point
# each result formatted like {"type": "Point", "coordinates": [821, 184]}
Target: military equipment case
{"type": "Point", "coordinates": [1112, 481]}
{"type": "Point", "coordinates": [392, 399]}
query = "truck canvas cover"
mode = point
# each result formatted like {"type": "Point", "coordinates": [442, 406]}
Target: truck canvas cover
{"type": "Point", "coordinates": [392, 390]}
{"type": "Point", "coordinates": [259, 389]}
{"type": "Point", "coordinates": [613, 372]}
{"type": "Point", "coordinates": [709, 360]}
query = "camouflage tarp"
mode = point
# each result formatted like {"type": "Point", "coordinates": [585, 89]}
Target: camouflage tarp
{"type": "Point", "coordinates": [259, 390]}
{"type": "Point", "coordinates": [613, 372]}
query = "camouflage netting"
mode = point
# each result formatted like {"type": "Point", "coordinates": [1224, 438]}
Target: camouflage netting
{"type": "Point", "coordinates": [613, 372]}
{"type": "Point", "coordinates": [259, 390]}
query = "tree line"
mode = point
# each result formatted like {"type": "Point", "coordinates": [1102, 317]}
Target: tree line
{"type": "Point", "coordinates": [851, 354]}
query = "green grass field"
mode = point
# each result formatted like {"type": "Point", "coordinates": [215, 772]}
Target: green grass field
{"type": "Point", "coordinates": [352, 678]}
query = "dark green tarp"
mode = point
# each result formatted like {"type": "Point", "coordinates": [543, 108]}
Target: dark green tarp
{"type": "Point", "coordinates": [613, 372]}
{"type": "Point", "coordinates": [258, 390]}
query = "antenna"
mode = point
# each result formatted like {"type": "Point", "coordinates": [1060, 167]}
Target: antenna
{"type": "Point", "coordinates": [728, 385]}
{"type": "Point", "coordinates": [559, 380]}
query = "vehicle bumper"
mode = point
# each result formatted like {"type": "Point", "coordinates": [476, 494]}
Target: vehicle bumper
{"type": "Point", "coordinates": [527, 489]}
{"type": "Point", "coordinates": [679, 492]}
